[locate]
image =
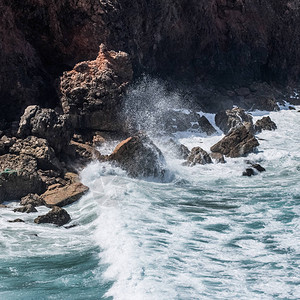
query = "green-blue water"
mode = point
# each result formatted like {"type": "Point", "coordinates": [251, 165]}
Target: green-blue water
{"type": "Point", "coordinates": [208, 234]}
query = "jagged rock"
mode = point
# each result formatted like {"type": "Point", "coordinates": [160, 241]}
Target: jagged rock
{"type": "Point", "coordinates": [56, 215]}
{"type": "Point", "coordinates": [226, 120]}
{"type": "Point", "coordinates": [48, 124]}
{"type": "Point", "coordinates": [264, 124]}
{"type": "Point", "coordinates": [29, 208]}
{"type": "Point", "coordinates": [198, 156]}
{"type": "Point", "coordinates": [139, 157]}
{"type": "Point", "coordinates": [16, 221]}
{"type": "Point", "coordinates": [71, 177]}
{"type": "Point", "coordinates": [32, 199]}
{"type": "Point", "coordinates": [238, 142]}
{"type": "Point", "coordinates": [92, 92]}
{"type": "Point", "coordinates": [39, 149]}
{"type": "Point", "coordinates": [256, 166]}
{"type": "Point", "coordinates": [18, 177]}
{"type": "Point", "coordinates": [248, 172]}
{"type": "Point", "coordinates": [178, 150]}
{"type": "Point", "coordinates": [205, 126]}
{"type": "Point", "coordinates": [58, 195]}
{"type": "Point", "coordinates": [217, 157]}
{"type": "Point", "coordinates": [49, 177]}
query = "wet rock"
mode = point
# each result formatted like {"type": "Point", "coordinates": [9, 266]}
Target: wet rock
{"type": "Point", "coordinates": [92, 92]}
{"type": "Point", "coordinates": [139, 156]}
{"type": "Point", "coordinates": [292, 108]}
{"type": "Point", "coordinates": [32, 199]}
{"type": "Point", "coordinates": [16, 221]}
{"type": "Point", "coordinates": [198, 156]}
{"type": "Point", "coordinates": [58, 195]}
{"type": "Point", "coordinates": [205, 126]}
{"type": "Point", "coordinates": [29, 208]}
{"type": "Point", "coordinates": [179, 150]}
{"type": "Point", "coordinates": [249, 172]}
{"type": "Point", "coordinates": [238, 142]}
{"type": "Point", "coordinates": [217, 157]}
{"type": "Point", "coordinates": [56, 215]}
{"type": "Point", "coordinates": [38, 148]}
{"type": "Point", "coordinates": [48, 124]}
{"type": "Point", "coordinates": [256, 166]}
{"type": "Point", "coordinates": [177, 120]}
{"type": "Point", "coordinates": [18, 177]}
{"type": "Point", "coordinates": [264, 124]}
{"type": "Point", "coordinates": [226, 120]}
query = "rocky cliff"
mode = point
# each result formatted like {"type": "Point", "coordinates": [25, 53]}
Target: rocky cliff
{"type": "Point", "coordinates": [216, 41]}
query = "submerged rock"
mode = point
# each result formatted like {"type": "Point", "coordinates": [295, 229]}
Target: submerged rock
{"type": "Point", "coordinates": [16, 221]}
{"type": "Point", "coordinates": [264, 124]}
{"type": "Point", "coordinates": [139, 156]}
{"type": "Point", "coordinates": [236, 117]}
{"type": "Point", "coordinates": [249, 172]}
{"type": "Point", "coordinates": [56, 215]}
{"type": "Point", "coordinates": [57, 195]}
{"type": "Point", "coordinates": [198, 156]}
{"type": "Point", "coordinates": [238, 142]}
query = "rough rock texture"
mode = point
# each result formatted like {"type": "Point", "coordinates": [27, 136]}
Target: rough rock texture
{"type": "Point", "coordinates": [226, 120]}
{"type": "Point", "coordinates": [198, 156]}
{"type": "Point", "coordinates": [18, 177]}
{"type": "Point", "coordinates": [264, 124]}
{"type": "Point", "coordinates": [91, 93]}
{"type": "Point", "coordinates": [56, 215]}
{"type": "Point", "coordinates": [57, 195]}
{"type": "Point", "coordinates": [32, 199]}
{"type": "Point", "coordinates": [238, 142]}
{"type": "Point", "coordinates": [139, 157]}
{"type": "Point", "coordinates": [29, 208]}
{"type": "Point", "coordinates": [236, 41]}
{"type": "Point", "coordinates": [39, 149]}
{"type": "Point", "coordinates": [48, 124]}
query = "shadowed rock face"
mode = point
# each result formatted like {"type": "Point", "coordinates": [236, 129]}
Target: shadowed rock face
{"type": "Point", "coordinates": [218, 40]}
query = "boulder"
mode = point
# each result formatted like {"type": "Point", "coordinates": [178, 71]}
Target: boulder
{"type": "Point", "coordinates": [92, 92]}
{"type": "Point", "coordinates": [238, 142]}
{"type": "Point", "coordinates": [248, 172]}
{"type": "Point", "coordinates": [264, 124]}
{"type": "Point", "coordinates": [39, 149]}
{"type": "Point", "coordinates": [58, 195]}
{"type": "Point", "coordinates": [198, 156]}
{"type": "Point", "coordinates": [29, 208]}
{"type": "Point", "coordinates": [56, 215]}
{"type": "Point", "coordinates": [217, 157]}
{"type": "Point", "coordinates": [18, 177]}
{"type": "Point", "coordinates": [48, 124]}
{"type": "Point", "coordinates": [205, 126]}
{"type": "Point", "coordinates": [228, 119]}
{"type": "Point", "coordinates": [139, 157]}
{"type": "Point", "coordinates": [32, 199]}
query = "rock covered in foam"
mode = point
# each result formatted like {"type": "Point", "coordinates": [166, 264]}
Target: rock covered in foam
{"type": "Point", "coordinates": [140, 157]}
{"type": "Point", "coordinates": [198, 156]}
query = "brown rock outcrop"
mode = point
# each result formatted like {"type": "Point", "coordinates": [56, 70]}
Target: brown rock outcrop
{"type": "Point", "coordinates": [56, 215]}
{"type": "Point", "coordinates": [238, 142]}
{"type": "Point", "coordinates": [57, 195]}
{"type": "Point", "coordinates": [198, 156]}
{"type": "Point", "coordinates": [264, 124]}
{"type": "Point", "coordinates": [91, 93]}
{"type": "Point", "coordinates": [139, 157]}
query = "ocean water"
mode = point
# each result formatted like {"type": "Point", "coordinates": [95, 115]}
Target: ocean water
{"type": "Point", "coordinates": [208, 233]}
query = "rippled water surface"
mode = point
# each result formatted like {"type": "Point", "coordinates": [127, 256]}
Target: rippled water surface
{"type": "Point", "coordinates": [208, 234]}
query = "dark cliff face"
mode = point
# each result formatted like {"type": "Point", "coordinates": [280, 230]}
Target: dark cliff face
{"type": "Point", "coordinates": [217, 41]}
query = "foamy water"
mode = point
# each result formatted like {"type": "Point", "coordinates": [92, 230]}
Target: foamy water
{"type": "Point", "coordinates": [210, 233]}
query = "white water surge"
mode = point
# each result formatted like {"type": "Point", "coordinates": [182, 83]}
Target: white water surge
{"type": "Point", "coordinates": [210, 233]}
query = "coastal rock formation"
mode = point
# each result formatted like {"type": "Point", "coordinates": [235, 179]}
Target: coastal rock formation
{"type": "Point", "coordinates": [264, 124]}
{"type": "Point", "coordinates": [29, 208]}
{"type": "Point", "coordinates": [91, 93]}
{"type": "Point", "coordinates": [32, 199]}
{"type": "Point", "coordinates": [238, 142]}
{"type": "Point", "coordinates": [56, 215]}
{"type": "Point", "coordinates": [198, 156]}
{"type": "Point", "coordinates": [48, 124]}
{"type": "Point", "coordinates": [139, 157]}
{"type": "Point", "coordinates": [57, 195]}
{"type": "Point", "coordinates": [18, 177]}
{"type": "Point", "coordinates": [226, 120]}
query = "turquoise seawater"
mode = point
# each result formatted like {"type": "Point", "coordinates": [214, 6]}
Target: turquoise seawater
{"type": "Point", "coordinates": [209, 233]}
